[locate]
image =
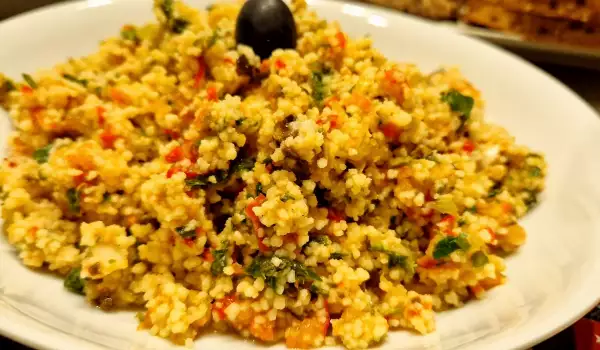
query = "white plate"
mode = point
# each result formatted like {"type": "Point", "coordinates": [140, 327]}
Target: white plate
{"type": "Point", "coordinates": [553, 280]}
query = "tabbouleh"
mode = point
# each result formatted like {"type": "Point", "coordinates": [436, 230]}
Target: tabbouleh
{"type": "Point", "coordinates": [322, 196]}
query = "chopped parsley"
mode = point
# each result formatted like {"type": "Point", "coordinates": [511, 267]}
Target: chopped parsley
{"type": "Point", "coordinates": [479, 259]}
{"type": "Point", "coordinates": [213, 39]}
{"type": "Point", "coordinates": [472, 209]}
{"type": "Point", "coordinates": [322, 239]}
{"type": "Point", "coordinates": [268, 161]}
{"type": "Point", "coordinates": [239, 164]}
{"type": "Point", "coordinates": [186, 233]}
{"type": "Point", "coordinates": [220, 256]}
{"type": "Point", "coordinates": [337, 256]}
{"type": "Point", "coordinates": [41, 155]}
{"type": "Point", "coordinates": [395, 259]}
{"type": "Point", "coordinates": [82, 82]}
{"type": "Point", "coordinates": [74, 282]}
{"type": "Point", "coordinates": [129, 33]}
{"type": "Point", "coordinates": [167, 8]}
{"type": "Point", "coordinates": [8, 86]}
{"type": "Point", "coordinates": [178, 25]}
{"type": "Point", "coordinates": [450, 244]}
{"type": "Point", "coordinates": [73, 200]}
{"type": "Point", "coordinates": [494, 192]}
{"type": "Point", "coordinates": [240, 121]}
{"type": "Point", "coordinates": [318, 88]}
{"type": "Point", "coordinates": [259, 189]}
{"type": "Point", "coordinates": [459, 103]}
{"type": "Point", "coordinates": [286, 197]}
{"type": "Point", "coordinates": [105, 197]}
{"type": "Point", "coordinates": [29, 80]}
{"type": "Point", "coordinates": [263, 267]}
{"type": "Point", "coordinates": [535, 171]}
{"type": "Point", "coordinates": [461, 222]}
{"type": "Point", "coordinates": [317, 290]}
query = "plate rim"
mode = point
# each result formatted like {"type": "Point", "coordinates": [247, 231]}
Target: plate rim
{"type": "Point", "coordinates": [61, 340]}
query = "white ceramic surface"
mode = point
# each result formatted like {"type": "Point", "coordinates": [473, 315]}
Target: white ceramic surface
{"type": "Point", "coordinates": [552, 281]}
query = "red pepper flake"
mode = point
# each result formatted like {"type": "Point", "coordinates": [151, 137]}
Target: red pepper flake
{"type": "Point", "coordinates": [492, 234]}
{"type": "Point", "coordinates": [389, 76]}
{"type": "Point", "coordinates": [190, 174]}
{"type": "Point", "coordinates": [220, 305]}
{"type": "Point", "coordinates": [190, 150]}
{"type": "Point", "coordinates": [331, 100]}
{"type": "Point", "coordinates": [327, 317]}
{"type": "Point", "coordinates": [279, 64]}
{"type": "Point", "coordinates": [190, 193]}
{"type": "Point", "coordinates": [264, 66]}
{"type": "Point", "coordinates": [79, 179]}
{"type": "Point", "coordinates": [426, 262]}
{"type": "Point", "coordinates": [201, 72]}
{"type": "Point", "coordinates": [262, 246]}
{"type": "Point", "coordinates": [334, 215]}
{"type": "Point", "coordinates": [448, 220]}
{"type": "Point", "coordinates": [175, 155]}
{"type": "Point", "coordinates": [189, 242]}
{"type": "Point", "coordinates": [33, 231]}
{"type": "Point", "coordinates": [468, 146]}
{"type": "Point", "coordinates": [211, 93]}
{"type": "Point", "coordinates": [333, 121]}
{"type": "Point", "coordinates": [207, 255]}
{"type": "Point", "coordinates": [118, 96]}
{"type": "Point", "coordinates": [229, 60]}
{"type": "Point", "coordinates": [507, 207]}
{"type": "Point", "coordinates": [108, 138]}
{"type": "Point", "coordinates": [390, 130]}
{"type": "Point", "coordinates": [25, 89]}
{"type": "Point", "coordinates": [341, 39]}
{"type": "Point", "coordinates": [100, 111]}
{"type": "Point", "coordinates": [173, 134]}
{"type": "Point", "coordinates": [172, 171]}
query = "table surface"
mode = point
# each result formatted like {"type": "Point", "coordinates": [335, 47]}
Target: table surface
{"type": "Point", "coordinates": [584, 82]}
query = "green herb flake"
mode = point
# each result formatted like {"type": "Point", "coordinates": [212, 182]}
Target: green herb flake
{"type": "Point", "coordinates": [8, 86]}
{"type": "Point", "coordinates": [29, 80]}
{"type": "Point", "coordinates": [198, 181]}
{"type": "Point", "coordinates": [472, 209]}
{"type": "Point", "coordinates": [479, 259]}
{"type": "Point", "coordinates": [494, 192]}
{"type": "Point", "coordinates": [263, 267]}
{"type": "Point", "coordinates": [268, 161]}
{"type": "Point", "coordinates": [82, 82]}
{"type": "Point", "coordinates": [322, 239]}
{"type": "Point", "coordinates": [450, 244]}
{"type": "Point", "coordinates": [259, 189]}
{"type": "Point", "coordinates": [41, 155]}
{"type": "Point", "coordinates": [397, 260]}
{"type": "Point", "coordinates": [286, 197]}
{"type": "Point", "coordinates": [535, 171]}
{"type": "Point", "coordinates": [318, 88]}
{"type": "Point", "coordinates": [73, 200]}
{"type": "Point", "coordinates": [167, 8]}
{"type": "Point", "coordinates": [186, 233]}
{"type": "Point", "coordinates": [213, 39]}
{"type": "Point", "coordinates": [337, 256]}
{"type": "Point", "coordinates": [74, 283]}
{"type": "Point", "coordinates": [130, 33]}
{"type": "Point", "coordinates": [240, 121]}
{"type": "Point", "coordinates": [459, 103]}
{"type": "Point", "coordinates": [179, 25]}
{"type": "Point", "coordinates": [461, 222]}
{"type": "Point", "coordinates": [317, 290]}
{"type": "Point", "coordinates": [220, 256]}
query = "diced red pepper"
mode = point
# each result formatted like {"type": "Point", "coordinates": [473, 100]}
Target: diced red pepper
{"type": "Point", "coordinates": [448, 219]}
{"type": "Point", "coordinates": [390, 130]}
{"type": "Point", "coordinates": [262, 246]}
{"type": "Point", "coordinates": [333, 121]}
{"type": "Point", "coordinates": [190, 150]}
{"type": "Point", "coordinates": [79, 179]}
{"type": "Point", "coordinates": [426, 262]}
{"type": "Point", "coordinates": [468, 146]}
{"type": "Point", "coordinates": [108, 138]}
{"type": "Point", "coordinates": [100, 112]}
{"type": "Point", "coordinates": [279, 64]}
{"type": "Point", "coordinates": [255, 220]}
{"type": "Point", "coordinates": [26, 89]}
{"type": "Point", "coordinates": [173, 134]}
{"type": "Point", "coordinates": [327, 317]}
{"type": "Point", "coordinates": [507, 207]}
{"type": "Point", "coordinates": [172, 171]}
{"type": "Point", "coordinates": [330, 100]}
{"type": "Point", "coordinates": [492, 234]}
{"type": "Point", "coordinates": [229, 60]}
{"type": "Point", "coordinates": [175, 155]}
{"type": "Point", "coordinates": [341, 38]}
{"type": "Point", "coordinates": [189, 242]}
{"type": "Point", "coordinates": [211, 93]}
{"type": "Point", "coordinates": [334, 215]}
{"type": "Point", "coordinates": [389, 76]}
{"type": "Point", "coordinates": [201, 72]}
{"type": "Point", "coordinates": [207, 255]}
{"type": "Point", "coordinates": [220, 305]}
{"type": "Point", "coordinates": [118, 96]}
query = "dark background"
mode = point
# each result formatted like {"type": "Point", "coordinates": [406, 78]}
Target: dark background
{"type": "Point", "coordinates": [584, 82]}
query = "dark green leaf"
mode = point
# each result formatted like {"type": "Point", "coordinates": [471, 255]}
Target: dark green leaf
{"type": "Point", "coordinates": [315, 289]}
{"type": "Point", "coordinates": [286, 197]}
{"type": "Point", "coordinates": [186, 233]}
{"type": "Point", "coordinates": [263, 267]}
{"type": "Point", "coordinates": [535, 171]}
{"type": "Point", "coordinates": [74, 282]}
{"type": "Point", "coordinates": [304, 273]}
{"type": "Point", "coordinates": [322, 239]}
{"type": "Point", "coordinates": [29, 80]}
{"type": "Point", "coordinates": [259, 189]}
{"type": "Point", "coordinates": [450, 244]}
{"type": "Point", "coordinates": [318, 88]}
{"type": "Point", "coordinates": [397, 260]}
{"type": "Point", "coordinates": [268, 161]}
{"type": "Point", "coordinates": [198, 181]}
{"type": "Point", "coordinates": [479, 259]}
{"type": "Point", "coordinates": [167, 8]}
{"type": "Point", "coordinates": [213, 39]}
{"type": "Point", "coordinates": [179, 25]}
{"type": "Point", "coordinates": [8, 86]}
{"type": "Point", "coordinates": [69, 77]}
{"type": "Point", "coordinates": [337, 256]}
{"type": "Point", "coordinates": [41, 155]}
{"type": "Point", "coordinates": [494, 192]}
{"type": "Point", "coordinates": [472, 209]}
{"type": "Point", "coordinates": [241, 164]}
{"type": "Point", "coordinates": [459, 103]}
{"type": "Point", "coordinates": [73, 200]}
{"type": "Point", "coordinates": [220, 256]}
{"type": "Point", "coordinates": [461, 222]}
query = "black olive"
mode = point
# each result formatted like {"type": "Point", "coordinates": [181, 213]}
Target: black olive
{"type": "Point", "coordinates": [266, 25]}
